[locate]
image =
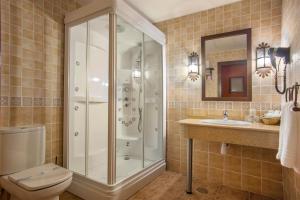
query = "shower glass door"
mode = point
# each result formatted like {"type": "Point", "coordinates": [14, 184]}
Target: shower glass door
{"type": "Point", "coordinates": [129, 124]}
{"type": "Point", "coordinates": [97, 91]}
{"type": "Point", "coordinates": [77, 97]}
{"type": "Point", "coordinates": [88, 98]}
{"type": "Point", "coordinates": [153, 102]}
{"type": "Point", "coordinates": [139, 100]}
{"type": "Point", "coordinates": [139, 136]}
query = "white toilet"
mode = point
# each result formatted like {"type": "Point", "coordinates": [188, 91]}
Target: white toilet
{"type": "Point", "coordinates": [24, 176]}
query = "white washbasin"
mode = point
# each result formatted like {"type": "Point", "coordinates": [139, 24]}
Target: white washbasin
{"type": "Point", "coordinates": [225, 122]}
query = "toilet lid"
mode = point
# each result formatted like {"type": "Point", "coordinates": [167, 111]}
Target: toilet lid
{"type": "Point", "coordinates": [40, 177]}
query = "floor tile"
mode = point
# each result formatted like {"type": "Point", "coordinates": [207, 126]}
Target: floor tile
{"type": "Point", "coordinates": [171, 186]}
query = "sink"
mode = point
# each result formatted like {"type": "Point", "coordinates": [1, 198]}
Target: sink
{"type": "Point", "coordinates": [225, 122]}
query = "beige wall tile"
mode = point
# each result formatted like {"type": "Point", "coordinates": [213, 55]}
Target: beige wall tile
{"type": "Point", "coordinates": [201, 172]}
{"type": "Point", "coordinates": [25, 39]}
{"type": "Point", "coordinates": [21, 116]}
{"type": "Point", "coordinates": [271, 171]}
{"type": "Point", "coordinates": [215, 175]}
{"type": "Point", "coordinates": [215, 160]}
{"type": "Point", "coordinates": [233, 163]}
{"type": "Point", "coordinates": [4, 116]}
{"type": "Point", "coordinates": [184, 97]}
{"type": "Point", "coordinates": [251, 184]}
{"type": "Point", "coordinates": [251, 167]}
{"type": "Point", "coordinates": [200, 157]}
{"type": "Point", "coordinates": [269, 155]}
{"type": "Point", "coordinates": [273, 189]}
{"type": "Point", "coordinates": [233, 180]}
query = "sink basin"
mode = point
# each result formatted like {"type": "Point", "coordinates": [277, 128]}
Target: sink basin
{"type": "Point", "coordinates": [225, 122]}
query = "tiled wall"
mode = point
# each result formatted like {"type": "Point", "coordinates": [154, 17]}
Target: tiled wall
{"type": "Point", "coordinates": [291, 37]}
{"type": "Point", "coordinates": [32, 49]}
{"type": "Point", "coordinates": [251, 169]}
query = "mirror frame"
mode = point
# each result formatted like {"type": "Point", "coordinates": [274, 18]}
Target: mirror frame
{"type": "Point", "coordinates": [246, 32]}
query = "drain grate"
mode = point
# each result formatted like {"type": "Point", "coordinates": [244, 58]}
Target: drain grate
{"type": "Point", "coordinates": [202, 190]}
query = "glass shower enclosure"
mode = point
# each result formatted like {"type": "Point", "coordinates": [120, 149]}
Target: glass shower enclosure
{"type": "Point", "coordinates": [114, 94]}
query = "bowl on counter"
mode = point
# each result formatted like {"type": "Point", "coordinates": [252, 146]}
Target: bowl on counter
{"type": "Point", "coordinates": [270, 120]}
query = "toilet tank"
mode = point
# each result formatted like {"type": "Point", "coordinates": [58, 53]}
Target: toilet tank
{"type": "Point", "coordinates": [21, 148]}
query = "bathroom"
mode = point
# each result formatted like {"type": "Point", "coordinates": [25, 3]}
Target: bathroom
{"type": "Point", "coordinates": [141, 150]}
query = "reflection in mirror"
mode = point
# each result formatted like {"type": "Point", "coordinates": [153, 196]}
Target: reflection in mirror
{"type": "Point", "coordinates": [237, 84]}
{"type": "Point", "coordinates": [226, 65]}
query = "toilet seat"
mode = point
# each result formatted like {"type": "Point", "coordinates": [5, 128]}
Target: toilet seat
{"type": "Point", "coordinates": [44, 182]}
{"type": "Point", "coordinates": [40, 177]}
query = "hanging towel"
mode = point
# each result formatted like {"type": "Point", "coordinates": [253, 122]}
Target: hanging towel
{"type": "Point", "coordinates": [289, 138]}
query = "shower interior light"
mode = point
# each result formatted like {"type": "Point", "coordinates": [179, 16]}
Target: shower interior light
{"type": "Point", "coordinates": [95, 79]}
{"type": "Point", "coordinates": [136, 73]}
{"type": "Point", "coordinates": [105, 84]}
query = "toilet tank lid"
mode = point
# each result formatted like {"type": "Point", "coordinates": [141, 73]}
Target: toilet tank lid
{"type": "Point", "coordinates": [21, 129]}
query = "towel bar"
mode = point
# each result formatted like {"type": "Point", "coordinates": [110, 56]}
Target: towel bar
{"type": "Point", "coordinates": [289, 95]}
{"type": "Point", "coordinates": [296, 98]}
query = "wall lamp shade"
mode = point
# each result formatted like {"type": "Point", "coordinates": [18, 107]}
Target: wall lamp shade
{"type": "Point", "coordinates": [193, 66]}
{"type": "Point", "coordinates": [266, 59]}
{"type": "Point", "coordinates": [263, 60]}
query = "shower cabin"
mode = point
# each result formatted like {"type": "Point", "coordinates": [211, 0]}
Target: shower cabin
{"type": "Point", "coordinates": [114, 126]}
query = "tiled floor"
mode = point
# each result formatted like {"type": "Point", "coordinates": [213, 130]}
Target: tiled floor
{"type": "Point", "coordinates": [171, 186]}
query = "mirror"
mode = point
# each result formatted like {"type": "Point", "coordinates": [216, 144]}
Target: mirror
{"type": "Point", "coordinates": [226, 66]}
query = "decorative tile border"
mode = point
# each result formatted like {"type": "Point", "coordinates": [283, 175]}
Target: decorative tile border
{"type": "Point", "coordinates": [27, 101]}
{"type": "Point", "coordinates": [38, 102]}
{"type": "Point", "coordinates": [48, 102]}
{"type": "Point", "coordinates": [30, 101]}
{"type": "Point", "coordinates": [15, 101]}
{"type": "Point", "coordinates": [57, 102]}
{"type": "Point", "coordinates": [4, 101]}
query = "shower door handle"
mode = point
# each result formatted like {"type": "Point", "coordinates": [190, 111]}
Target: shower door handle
{"type": "Point", "coordinates": [140, 120]}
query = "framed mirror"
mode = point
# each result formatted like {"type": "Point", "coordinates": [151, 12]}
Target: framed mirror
{"type": "Point", "coordinates": [226, 66]}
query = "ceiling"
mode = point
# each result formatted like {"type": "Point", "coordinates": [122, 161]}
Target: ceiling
{"type": "Point", "coordinates": [160, 10]}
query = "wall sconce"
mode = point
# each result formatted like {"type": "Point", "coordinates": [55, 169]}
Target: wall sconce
{"type": "Point", "coordinates": [208, 71]}
{"type": "Point", "coordinates": [193, 66]}
{"type": "Point", "coordinates": [209, 74]}
{"type": "Point", "coordinates": [266, 58]}
{"type": "Point", "coordinates": [263, 61]}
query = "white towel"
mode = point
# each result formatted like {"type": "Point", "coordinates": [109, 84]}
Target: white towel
{"type": "Point", "coordinates": [289, 138]}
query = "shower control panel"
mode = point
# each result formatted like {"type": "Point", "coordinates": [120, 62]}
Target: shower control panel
{"type": "Point", "coordinates": [126, 105]}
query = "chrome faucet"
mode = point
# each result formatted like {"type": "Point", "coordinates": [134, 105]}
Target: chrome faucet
{"type": "Point", "coordinates": [225, 114]}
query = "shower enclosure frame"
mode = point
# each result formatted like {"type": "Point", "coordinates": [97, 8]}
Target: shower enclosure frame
{"type": "Point", "coordinates": [82, 185]}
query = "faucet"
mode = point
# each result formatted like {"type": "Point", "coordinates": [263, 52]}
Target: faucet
{"type": "Point", "coordinates": [225, 114]}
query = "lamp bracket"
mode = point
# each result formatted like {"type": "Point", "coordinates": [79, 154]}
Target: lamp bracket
{"type": "Point", "coordinates": [280, 52]}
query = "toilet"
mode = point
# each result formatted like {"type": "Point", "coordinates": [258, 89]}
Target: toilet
{"type": "Point", "coordinates": [23, 172]}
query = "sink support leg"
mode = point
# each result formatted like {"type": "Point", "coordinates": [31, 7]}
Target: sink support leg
{"type": "Point", "coordinates": [189, 166]}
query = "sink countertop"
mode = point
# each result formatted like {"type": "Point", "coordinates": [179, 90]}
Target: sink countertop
{"type": "Point", "coordinates": [254, 126]}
